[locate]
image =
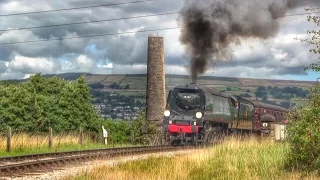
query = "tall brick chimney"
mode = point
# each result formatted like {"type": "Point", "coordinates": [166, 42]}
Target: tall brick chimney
{"type": "Point", "coordinates": [155, 80]}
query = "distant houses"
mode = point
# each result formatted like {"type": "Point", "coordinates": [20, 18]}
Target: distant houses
{"type": "Point", "coordinates": [117, 107]}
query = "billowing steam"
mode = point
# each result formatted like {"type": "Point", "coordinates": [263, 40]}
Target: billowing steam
{"type": "Point", "coordinates": [210, 26]}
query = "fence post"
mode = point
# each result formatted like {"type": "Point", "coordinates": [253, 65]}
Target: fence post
{"type": "Point", "coordinates": [50, 137]}
{"type": "Point", "coordinates": [80, 136]}
{"type": "Point", "coordinates": [9, 139]}
{"type": "Point", "coordinates": [132, 137]}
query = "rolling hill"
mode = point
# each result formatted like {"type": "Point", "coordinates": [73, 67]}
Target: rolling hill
{"type": "Point", "coordinates": [138, 82]}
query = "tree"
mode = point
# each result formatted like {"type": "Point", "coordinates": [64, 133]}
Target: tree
{"type": "Point", "coordinates": [315, 39]}
{"type": "Point", "coordinates": [261, 91]}
{"type": "Point", "coordinates": [39, 103]}
{"type": "Point", "coordinates": [304, 134]}
{"type": "Point", "coordinates": [96, 86]}
{"type": "Point", "coordinates": [265, 98]}
{"type": "Point", "coordinates": [303, 130]}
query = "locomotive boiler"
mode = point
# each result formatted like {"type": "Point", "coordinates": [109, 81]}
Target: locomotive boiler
{"type": "Point", "coordinates": [197, 114]}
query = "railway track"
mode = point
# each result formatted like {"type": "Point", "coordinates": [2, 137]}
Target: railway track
{"type": "Point", "coordinates": [17, 166]}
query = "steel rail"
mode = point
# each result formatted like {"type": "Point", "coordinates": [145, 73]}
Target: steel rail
{"type": "Point", "coordinates": [57, 154]}
{"type": "Point", "coordinates": [19, 169]}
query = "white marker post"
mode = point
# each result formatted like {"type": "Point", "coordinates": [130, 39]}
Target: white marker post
{"type": "Point", "coordinates": [105, 135]}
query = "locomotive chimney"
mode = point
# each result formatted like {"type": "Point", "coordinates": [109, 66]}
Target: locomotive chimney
{"type": "Point", "coordinates": [155, 80]}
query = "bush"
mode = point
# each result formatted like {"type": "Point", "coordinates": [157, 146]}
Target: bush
{"type": "Point", "coordinates": [120, 131]}
{"type": "Point", "coordinates": [304, 134]}
{"type": "Point", "coordinates": [40, 103]}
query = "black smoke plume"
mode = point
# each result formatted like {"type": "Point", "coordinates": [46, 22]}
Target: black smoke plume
{"type": "Point", "coordinates": [210, 26]}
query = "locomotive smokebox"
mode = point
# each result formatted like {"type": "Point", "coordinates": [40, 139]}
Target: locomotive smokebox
{"type": "Point", "coordinates": [155, 80]}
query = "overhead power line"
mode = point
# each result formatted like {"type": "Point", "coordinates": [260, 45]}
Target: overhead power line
{"type": "Point", "coordinates": [75, 8]}
{"type": "Point", "coordinates": [107, 34]}
{"type": "Point", "coordinates": [106, 20]}
{"type": "Point", "coordinates": [87, 22]}
{"type": "Point", "coordinates": [88, 36]}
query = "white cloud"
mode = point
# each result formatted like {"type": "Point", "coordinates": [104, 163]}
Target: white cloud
{"type": "Point", "coordinates": [278, 54]}
{"type": "Point", "coordinates": [129, 69]}
{"type": "Point", "coordinates": [33, 65]}
{"type": "Point", "coordinates": [84, 63]}
{"type": "Point", "coordinates": [108, 66]}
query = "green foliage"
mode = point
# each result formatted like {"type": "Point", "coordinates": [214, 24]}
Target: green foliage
{"type": "Point", "coordinates": [303, 131]}
{"type": "Point", "coordinates": [304, 134]}
{"type": "Point", "coordinates": [315, 39]}
{"type": "Point", "coordinates": [265, 98]}
{"type": "Point", "coordinates": [245, 95]}
{"type": "Point", "coordinates": [120, 131]}
{"type": "Point", "coordinates": [40, 103]}
{"type": "Point", "coordinates": [287, 104]}
{"type": "Point", "coordinates": [285, 93]}
{"type": "Point", "coordinates": [261, 91]}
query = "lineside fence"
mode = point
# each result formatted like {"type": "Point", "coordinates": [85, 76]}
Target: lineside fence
{"type": "Point", "coordinates": [15, 141]}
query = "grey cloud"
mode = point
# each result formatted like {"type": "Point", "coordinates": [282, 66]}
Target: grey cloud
{"type": "Point", "coordinates": [123, 51]}
{"type": "Point", "coordinates": [57, 49]}
{"type": "Point", "coordinates": [290, 70]}
{"type": "Point", "coordinates": [3, 67]}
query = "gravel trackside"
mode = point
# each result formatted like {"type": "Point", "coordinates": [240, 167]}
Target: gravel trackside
{"type": "Point", "coordinates": [75, 169]}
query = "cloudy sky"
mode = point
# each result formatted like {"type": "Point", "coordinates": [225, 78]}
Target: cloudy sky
{"type": "Point", "coordinates": [280, 57]}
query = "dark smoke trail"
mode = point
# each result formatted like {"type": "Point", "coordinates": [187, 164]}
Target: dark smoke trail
{"type": "Point", "coordinates": [210, 26]}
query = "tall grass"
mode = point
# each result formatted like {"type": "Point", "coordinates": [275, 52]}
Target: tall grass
{"type": "Point", "coordinates": [23, 143]}
{"type": "Point", "coordinates": [234, 159]}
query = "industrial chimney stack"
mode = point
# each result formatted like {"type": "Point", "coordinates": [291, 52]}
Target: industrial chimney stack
{"type": "Point", "coordinates": [155, 80]}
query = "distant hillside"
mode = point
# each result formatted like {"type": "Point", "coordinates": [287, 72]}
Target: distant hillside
{"type": "Point", "coordinates": [278, 91]}
{"type": "Point", "coordinates": [172, 80]}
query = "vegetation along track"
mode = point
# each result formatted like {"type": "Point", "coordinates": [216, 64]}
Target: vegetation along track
{"type": "Point", "coordinates": [20, 165]}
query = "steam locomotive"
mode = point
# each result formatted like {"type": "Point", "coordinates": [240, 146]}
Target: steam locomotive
{"type": "Point", "coordinates": [197, 114]}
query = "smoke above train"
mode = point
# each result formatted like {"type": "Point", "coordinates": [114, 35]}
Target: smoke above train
{"type": "Point", "coordinates": [209, 27]}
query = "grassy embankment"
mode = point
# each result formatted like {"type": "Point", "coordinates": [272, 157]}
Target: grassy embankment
{"type": "Point", "coordinates": [234, 159]}
{"type": "Point", "coordinates": [31, 144]}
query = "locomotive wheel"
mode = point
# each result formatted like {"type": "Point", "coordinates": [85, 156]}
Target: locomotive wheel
{"type": "Point", "coordinates": [174, 141]}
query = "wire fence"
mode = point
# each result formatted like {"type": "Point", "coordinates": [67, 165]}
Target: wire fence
{"type": "Point", "coordinates": [18, 141]}
{"type": "Point", "coordinates": [10, 140]}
